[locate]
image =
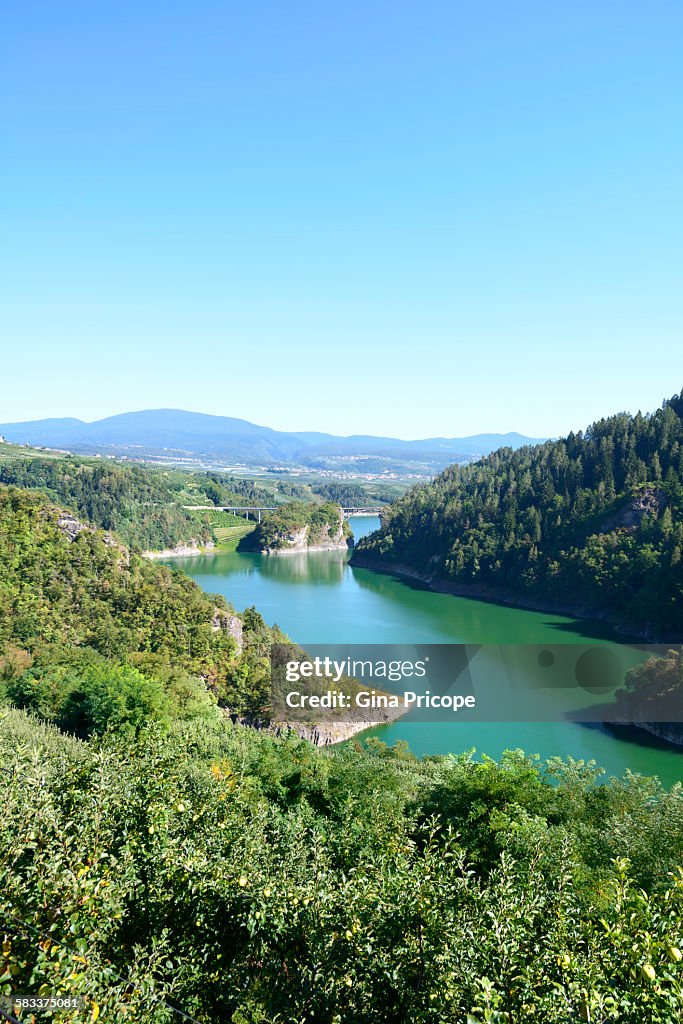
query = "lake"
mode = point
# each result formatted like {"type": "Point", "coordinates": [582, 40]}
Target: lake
{"type": "Point", "coordinates": [318, 598]}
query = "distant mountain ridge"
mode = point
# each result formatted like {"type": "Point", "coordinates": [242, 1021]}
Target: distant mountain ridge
{"type": "Point", "coordinates": [168, 432]}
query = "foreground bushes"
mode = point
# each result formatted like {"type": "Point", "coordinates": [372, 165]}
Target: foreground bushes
{"type": "Point", "coordinates": [248, 879]}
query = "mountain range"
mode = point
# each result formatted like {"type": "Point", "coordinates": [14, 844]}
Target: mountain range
{"type": "Point", "coordinates": [175, 435]}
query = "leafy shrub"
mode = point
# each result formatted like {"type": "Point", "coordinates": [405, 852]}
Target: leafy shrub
{"type": "Point", "coordinates": [243, 878]}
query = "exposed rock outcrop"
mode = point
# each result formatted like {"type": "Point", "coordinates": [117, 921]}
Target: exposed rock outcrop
{"type": "Point", "coordinates": [190, 547]}
{"type": "Point", "coordinates": [230, 623]}
{"type": "Point", "coordinates": [320, 734]}
{"type": "Point", "coordinates": [324, 734]}
{"type": "Point", "coordinates": [301, 540]}
{"type": "Point", "coordinates": [70, 526]}
{"type": "Point", "coordinates": [647, 502]}
{"type": "Point", "coordinates": [669, 732]}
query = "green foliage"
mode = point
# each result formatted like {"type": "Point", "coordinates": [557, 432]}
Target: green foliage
{"type": "Point", "coordinates": [653, 692]}
{"type": "Point", "coordinates": [142, 504]}
{"type": "Point", "coordinates": [244, 878]}
{"type": "Point", "coordinates": [59, 594]}
{"type": "Point", "coordinates": [88, 696]}
{"type": "Point", "coordinates": [137, 503]}
{"type": "Point", "coordinates": [160, 856]}
{"type": "Point", "coordinates": [323, 524]}
{"type": "Point", "coordinates": [592, 523]}
{"type": "Point", "coordinates": [226, 528]}
{"type": "Point", "coordinates": [342, 493]}
{"type": "Point", "coordinates": [359, 492]}
{"type": "Point", "coordinates": [355, 495]}
{"type": "Point", "coordinates": [217, 518]}
{"type": "Point", "coordinates": [220, 489]}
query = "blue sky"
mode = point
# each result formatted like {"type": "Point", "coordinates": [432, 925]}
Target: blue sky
{"type": "Point", "coordinates": [399, 218]}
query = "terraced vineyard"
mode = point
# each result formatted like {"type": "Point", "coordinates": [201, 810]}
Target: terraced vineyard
{"type": "Point", "coordinates": [227, 527]}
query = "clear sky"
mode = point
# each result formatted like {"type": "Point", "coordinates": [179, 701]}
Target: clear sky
{"type": "Point", "coordinates": [414, 219]}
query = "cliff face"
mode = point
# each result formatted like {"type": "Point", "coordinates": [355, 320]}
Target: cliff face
{"type": "Point", "coordinates": [297, 526]}
{"type": "Point", "coordinates": [71, 527]}
{"type": "Point", "coordinates": [323, 734]}
{"type": "Point", "coordinates": [650, 501]}
{"type": "Point", "coordinates": [306, 538]}
{"type": "Point", "coordinates": [671, 732]}
{"type": "Point", "coordinates": [230, 624]}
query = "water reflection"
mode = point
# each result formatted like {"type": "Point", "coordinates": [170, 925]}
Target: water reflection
{"type": "Point", "coordinates": [305, 567]}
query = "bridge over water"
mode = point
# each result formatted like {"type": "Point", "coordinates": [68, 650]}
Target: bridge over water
{"type": "Point", "coordinates": [258, 510]}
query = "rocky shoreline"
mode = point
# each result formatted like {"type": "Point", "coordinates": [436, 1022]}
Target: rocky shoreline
{"type": "Point", "coordinates": [495, 595]}
{"type": "Point", "coordinates": [192, 547]}
{"type": "Point", "coordinates": [301, 538]}
{"type": "Point", "coordinates": [325, 734]}
{"type": "Point", "coordinates": [305, 548]}
{"type": "Point", "coordinates": [320, 734]}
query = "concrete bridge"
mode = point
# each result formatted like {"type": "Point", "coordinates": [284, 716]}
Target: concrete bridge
{"type": "Point", "coordinates": [259, 510]}
{"type": "Point", "coordinates": [363, 510]}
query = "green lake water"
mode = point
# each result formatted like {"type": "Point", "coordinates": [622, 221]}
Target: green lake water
{"type": "Point", "coordinates": [317, 598]}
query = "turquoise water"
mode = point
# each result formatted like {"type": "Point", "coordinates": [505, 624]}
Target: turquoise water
{"type": "Point", "coordinates": [317, 597]}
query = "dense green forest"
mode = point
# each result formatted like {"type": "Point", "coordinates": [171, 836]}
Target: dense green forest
{"type": "Point", "coordinates": [137, 503]}
{"type": "Point", "coordinates": [592, 523]}
{"type": "Point", "coordinates": [342, 493]}
{"type": "Point", "coordinates": [323, 524]}
{"type": "Point", "coordinates": [142, 504]}
{"type": "Point", "coordinates": [76, 606]}
{"type": "Point", "coordinates": [354, 495]}
{"type": "Point", "coordinates": [228, 490]}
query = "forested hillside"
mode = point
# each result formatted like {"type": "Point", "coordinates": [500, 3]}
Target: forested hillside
{"type": "Point", "coordinates": [359, 495]}
{"type": "Point", "coordinates": [592, 523]}
{"type": "Point", "coordinates": [142, 504]}
{"type": "Point", "coordinates": [82, 620]}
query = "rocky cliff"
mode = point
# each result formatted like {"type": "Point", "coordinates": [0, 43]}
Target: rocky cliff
{"type": "Point", "coordinates": [304, 539]}
{"type": "Point", "coordinates": [297, 526]}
